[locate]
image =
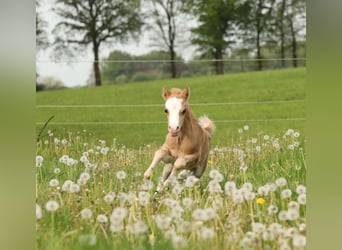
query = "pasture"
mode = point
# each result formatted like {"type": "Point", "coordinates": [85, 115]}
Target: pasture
{"type": "Point", "coordinates": [229, 100]}
{"type": "Point", "coordinates": [90, 192]}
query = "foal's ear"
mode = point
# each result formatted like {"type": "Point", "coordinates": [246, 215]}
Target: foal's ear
{"type": "Point", "coordinates": [186, 93]}
{"type": "Point", "coordinates": [166, 93]}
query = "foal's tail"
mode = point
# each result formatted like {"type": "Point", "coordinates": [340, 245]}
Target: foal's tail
{"type": "Point", "coordinates": [206, 124]}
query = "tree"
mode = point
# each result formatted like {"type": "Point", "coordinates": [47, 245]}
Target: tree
{"type": "Point", "coordinates": [217, 22]}
{"type": "Point", "coordinates": [257, 23]}
{"type": "Point", "coordinates": [296, 10]}
{"type": "Point", "coordinates": [96, 22]}
{"type": "Point", "coordinates": [166, 16]}
{"type": "Point", "coordinates": [41, 35]}
{"type": "Point", "coordinates": [113, 71]}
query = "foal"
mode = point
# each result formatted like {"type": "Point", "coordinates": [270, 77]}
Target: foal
{"type": "Point", "coordinates": [187, 144]}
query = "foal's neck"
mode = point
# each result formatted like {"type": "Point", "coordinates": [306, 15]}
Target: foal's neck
{"type": "Point", "coordinates": [189, 121]}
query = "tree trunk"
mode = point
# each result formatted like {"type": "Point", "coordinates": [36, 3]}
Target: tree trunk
{"type": "Point", "coordinates": [282, 34]}
{"type": "Point", "coordinates": [259, 51]}
{"type": "Point", "coordinates": [218, 61]}
{"type": "Point", "coordinates": [96, 66]}
{"type": "Point", "coordinates": [258, 31]}
{"type": "Point", "coordinates": [294, 45]}
{"type": "Point", "coordinates": [173, 63]}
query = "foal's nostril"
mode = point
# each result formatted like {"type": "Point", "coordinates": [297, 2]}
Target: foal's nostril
{"type": "Point", "coordinates": [177, 127]}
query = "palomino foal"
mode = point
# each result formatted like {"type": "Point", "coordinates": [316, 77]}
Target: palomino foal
{"type": "Point", "coordinates": [187, 144]}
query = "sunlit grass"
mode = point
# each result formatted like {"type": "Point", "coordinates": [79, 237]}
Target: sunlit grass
{"type": "Point", "coordinates": [252, 195]}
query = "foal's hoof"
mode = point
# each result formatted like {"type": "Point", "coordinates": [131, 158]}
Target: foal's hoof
{"type": "Point", "coordinates": [147, 175]}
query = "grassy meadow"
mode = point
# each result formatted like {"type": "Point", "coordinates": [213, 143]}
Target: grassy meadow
{"type": "Point", "coordinates": [90, 193]}
{"type": "Point", "coordinates": [134, 125]}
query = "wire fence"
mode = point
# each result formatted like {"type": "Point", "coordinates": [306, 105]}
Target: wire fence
{"type": "Point", "coordinates": [137, 70]}
{"type": "Point", "coordinates": [161, 105]}
{"type": "Point", "coordinates": [85, 106]}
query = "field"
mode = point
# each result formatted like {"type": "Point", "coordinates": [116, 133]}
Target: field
{"type": "Point", "coordinates": [230, 100]}
{"type": "Point", "coordinates": [90, 193]}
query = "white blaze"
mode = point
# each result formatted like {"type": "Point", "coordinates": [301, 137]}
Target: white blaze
{"type": "Point", "coordinates": [174, 105]}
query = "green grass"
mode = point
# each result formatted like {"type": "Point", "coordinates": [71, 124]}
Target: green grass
{"type": "Point", "coordinates": [232, 227]}
{"type": "Point", "coordinates": [257, 155]}
{"type": "Point", "coordinates": [264, 86]}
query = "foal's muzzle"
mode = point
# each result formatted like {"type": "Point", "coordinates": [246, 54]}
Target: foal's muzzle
{"type": "Point", "coordinates": [174, 130]}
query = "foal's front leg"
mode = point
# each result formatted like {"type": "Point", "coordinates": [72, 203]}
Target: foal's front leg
{"type": "Point", "coordinates": [159, 155]}
{"type": "Point", "coordinates": [183, 162]}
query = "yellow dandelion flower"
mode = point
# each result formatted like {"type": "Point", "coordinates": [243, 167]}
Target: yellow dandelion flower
{"type": "Point", "coordinates": [151, 238]}
{"type": "Point", "coordinates": [210, 162]}
{"type": "Point", "coordinates": [260, 201]}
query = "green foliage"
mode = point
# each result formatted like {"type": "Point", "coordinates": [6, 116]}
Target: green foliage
{"type": "Point", "coordinates": [137, 128]}
{"type": "Point", "coordinates": [146, 67]}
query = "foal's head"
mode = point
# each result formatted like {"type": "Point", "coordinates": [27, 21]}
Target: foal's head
{"type": "Point", "coordinates": [176, 106]}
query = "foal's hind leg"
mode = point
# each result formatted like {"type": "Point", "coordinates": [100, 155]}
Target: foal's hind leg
{"type": "Point", "coordinates": [166, 173]}
{"type": "Point", "coordinates": [181, 163]}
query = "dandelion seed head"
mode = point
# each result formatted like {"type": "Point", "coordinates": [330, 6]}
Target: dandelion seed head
{"type": "Point", "coordinates": [301, 189]}
{"type": "Point", "coordinates": [51, 206]}
{"type": "Point", "coordinates": [272, 209]}
{"type": "Point", "coordinates": [293, 205]}
{"type": "Point", "coordinates": [275, 227]}
{"type": "Point", "coordinates": [299, 241]}
{"type": "Point", "coordinates": [301, 199]}
{"type": "Point", "coordinates": [282, 216]}
{"type": "Point", "coordinates": [207, 233]}
{"type": "Point", "coordinates": [121, 175]}
{"type": "Point", "coordinates": [116, 227]}
{"type": "Point", "coordinates": [39, 213]}
{"type": "Point", "coordinates": [216, 175]}
{"type": "Point", "coordinates": [198, 214]}
{"type": "Point", "coordinates": [302, 227]}
{"type": "Point", "coordinates": [191, 181]}
{"type": "Point", "coordinates": [163, 221]}
{"type": "Point", "coordinates": [177, 189]}
{"type": "Point", "coordinates": [39, 161]}
{"type": "Point", "coordinates": [247, 186]}
{"type": "Point", "coordinates": [54, 183]}
{"type": "Point", "coordinates": [86, 213]}
{"type": "Point", "coordinates": [245, 127]}
{"type": "Point", "coordinates": [101, 218]}
{"type": "Point", "coordinates": [280, 182]}
{"type": "Point", "coordinates": [229, 187]}
{"type": "Point", "coordinates": [138, 228]}
{"type": "Point", "coordinates": [66, 185]}
{"type": "Point", "coordinates": [118, 214]}
{"type": "Point", "coordinates": [108, 198]}
{"type": "Point", "coordinates": [178, 241]}
{"type": "Point", "coordinates": [267, 235]}
{"type": "Point", "coordinates": [74, 188]}
{"type": "Point", "coordinates": [209, 213]}
{"type": "Point", "coordinates": [292, 214]}
{"type": "Point", "coordinates": [187, 202]}
{"type": "Point", "coordinates": [286, 193]}
{"type": "Point", "coordinates": [56, 170]}
{"type": "Point", "coordinates": [214, 187]}
{"type": "Point", "coordinates": [258, 227]}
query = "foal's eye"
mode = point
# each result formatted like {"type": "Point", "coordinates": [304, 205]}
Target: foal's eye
{"type": "Point", "coordinates": [166, 111]}
{"type": "Point", "coordinates": [184, 111]}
